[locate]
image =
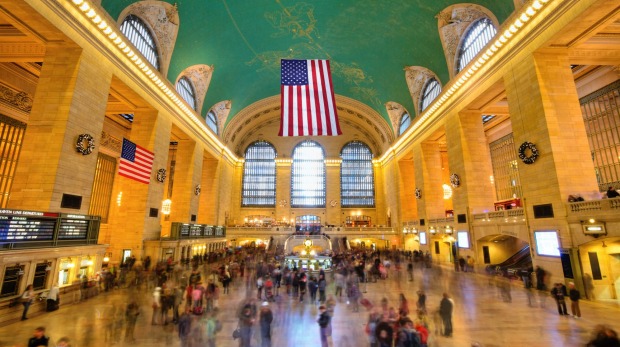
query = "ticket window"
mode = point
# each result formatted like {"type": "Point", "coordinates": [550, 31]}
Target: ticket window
{"type": "Point", "coordinates": [64, 274]}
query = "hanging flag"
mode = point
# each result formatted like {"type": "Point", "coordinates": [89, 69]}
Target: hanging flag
{"type": "Point", "coordinates": [308, 107]}
{"type": "Point", "coordinates": [136, 162]}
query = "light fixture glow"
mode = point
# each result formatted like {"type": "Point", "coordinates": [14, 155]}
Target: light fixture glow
{"type": "Point", "coordinates": [447, 191]}
{"type": "Point", "coordinates": [166, 206]}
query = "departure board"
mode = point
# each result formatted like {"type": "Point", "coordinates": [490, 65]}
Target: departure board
{"type": "Point", "coordinates": [26, 228]}
{"type": "Point", "coordinates": [184, 230]}
{"type": "Point", "coordinates": [73, 228]}
{"type": "Point", "coordinates": [195, 230]}
{"type": "Point", "coordinates": [208, 230]}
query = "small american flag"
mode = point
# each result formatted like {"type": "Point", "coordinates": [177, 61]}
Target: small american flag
{"type": "Point", "coordinates": [136, 162]}
{"type": "Point", "coordinates": [308, 107]}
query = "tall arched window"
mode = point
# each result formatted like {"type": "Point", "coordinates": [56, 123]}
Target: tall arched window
{"type": "Point", "coordinates": [212, 121]}
{"type": "Point", "coordinates": [431, 90]}
{"type": "Point", "coordinates": [357, 183]}
{"type": "Point", "coordinates": [139, 34]}
{"type": "Point", "coordinates": [186, 90]}
{"type": "Point", "coordinates": [476, 37]}
{"type": "Point", "coordinates": [405, 121]}
{"type": "Point", "coordinates": [308, 175]}
{"type": "Point", "coordinates": [259, 175]}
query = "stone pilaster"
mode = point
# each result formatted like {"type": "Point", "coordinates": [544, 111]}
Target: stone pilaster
{"type": "Point", "coordinates": [209, 198]}
{"type": "Point", "coordinates": [469, 158]}
{"type": "Point", "coordinates": [70, 100]}
{"type": "Point", "coordinates": [428, 178]}
{"type": "Point", "coordinates": [130, 223]}
{"type": "Point", "coordinates": [187, 176]}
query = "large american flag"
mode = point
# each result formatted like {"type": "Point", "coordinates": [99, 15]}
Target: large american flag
{"type": "Point", "coordinates": [136, 162]}
{"type": "Point", "coordinates": [307, 99]}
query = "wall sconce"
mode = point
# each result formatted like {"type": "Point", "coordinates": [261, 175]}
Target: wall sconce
{"type": "Point", "coordinates": [165, 207]}
{"type": "Point", "coordinates": [414, 231]}
{"type": "Point", "coordinates": [119, 198]}
{"type": "Point", "coordinates": [432, 230]}
{"type": "Point", "coordinates": [70, 265]}
{"type": "Point", "coordinates": [449, 229]}
{"type": "Point", "coordinates": [89, 262]}
{"type": "Point", "coordinates": [405, 230]}
{"type": "Point", "coordinates": [447, 191]}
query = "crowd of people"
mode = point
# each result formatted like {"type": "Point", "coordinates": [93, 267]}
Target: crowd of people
{"type": "Point", "coordinates": [184, 298]}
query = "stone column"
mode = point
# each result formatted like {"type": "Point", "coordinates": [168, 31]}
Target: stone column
{"type": "Point", "coordinates": [70, 100]}
{"type": "Point", "coordinates": [332, 176]}
{"type": "Point", "coordinates": [187, 176]}
{"type": "Point", "coordinates": [428, 178]}
{"type": "Point", "coordinates": [283, 190]}
{"type": "Point", "coordinates": [209, 198]}
{"type": "Point", "coordinates": [545, 111]}
{"type": "Point", "coordinates": [130, 223]}
{"type": "Point", "coordinates": [469, 158]}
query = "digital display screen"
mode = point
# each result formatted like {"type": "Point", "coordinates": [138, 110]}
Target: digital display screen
{"type": "Point", "coordinates": [462, 238]}
{"type": "Point", "coordinates": [184, 229]}
{"type": "Point", "coordinates": [547, 243]}
{"type": "Point", "coordinates": [209, 230]}
{"type": "Point", "coordinates": [422, 237]}
{"type": "Point", "coordinates": [73, 229]}
{"type": "Point", "coordinates": [195, 230]}
{"type": "Point", "coordinates": [21, 228]}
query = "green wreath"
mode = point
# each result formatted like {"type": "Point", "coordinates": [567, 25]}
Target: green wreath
{"type": "Point", "coordinates": [85, 144]}
{"type": "Point", "coordinates": [531, 158]}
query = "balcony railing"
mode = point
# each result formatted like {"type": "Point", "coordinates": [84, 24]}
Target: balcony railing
{"type": "Point", "coordinates": [506, 216]}
{"type": "Point", "coordinates": [593, 206]}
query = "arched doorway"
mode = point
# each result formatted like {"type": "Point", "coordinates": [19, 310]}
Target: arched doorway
{"type": "Point", "coordinates": [504, 254]}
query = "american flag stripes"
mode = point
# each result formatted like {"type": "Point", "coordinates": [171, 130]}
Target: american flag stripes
{"type": "Point", "coordinates": [308, 107]}
{"type": "Point", "coordinates": [136, 162]}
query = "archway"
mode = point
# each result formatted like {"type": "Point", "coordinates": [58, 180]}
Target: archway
{"type": "Point", "coordinates": [504, 254]}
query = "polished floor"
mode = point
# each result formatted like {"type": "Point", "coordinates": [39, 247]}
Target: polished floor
{"type": "Point", "coordinates": [481, 315]}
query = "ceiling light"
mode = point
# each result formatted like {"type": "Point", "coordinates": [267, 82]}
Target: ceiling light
{"type": "Point", "coordinates": [537, 5]}
{"type": "Point", "coordinates": [84, 7]}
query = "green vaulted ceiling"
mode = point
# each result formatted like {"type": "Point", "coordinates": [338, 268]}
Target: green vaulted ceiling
{"type": "Point", "coordinates": [369, 42]}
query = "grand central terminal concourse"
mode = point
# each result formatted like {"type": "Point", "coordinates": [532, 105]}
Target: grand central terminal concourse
{"type": "Point", "coordinates": [276, 173]}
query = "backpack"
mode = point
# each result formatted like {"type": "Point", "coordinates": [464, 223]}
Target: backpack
{"type": "Point", "coordinates": [412, 338]}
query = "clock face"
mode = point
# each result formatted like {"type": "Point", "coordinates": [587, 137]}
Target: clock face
{"type": "Point", "coordinates": [308, 243]}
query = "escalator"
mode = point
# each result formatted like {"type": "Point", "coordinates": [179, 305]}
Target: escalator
{"type": "Point", "coordinates": [511, 267]}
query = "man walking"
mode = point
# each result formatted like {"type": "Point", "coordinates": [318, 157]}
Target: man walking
{"type": "Point", "coordinates": [574, 296]}
{"type": "Point", "coordinates": [445, 311]}
{"type": "Point", "coordinates": [324, 320]}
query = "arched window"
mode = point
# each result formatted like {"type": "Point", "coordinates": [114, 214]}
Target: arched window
{"type": "Point", "coordinates": [139, 34]}
{"type": "Point", "coordinates": [357, 183]}
{"type": "Point", "coordinates": [476, 37]}
{"type": "Point", "coordinates": [405, 122]}
{"type": "Point", "coordinates": [186, 90]}
{"type": "Point", "coordinates": [259, 175]}
{"type": "Point", "coordinates": [431, 90]}
{"type": "Point", "coordinates": [212, 121]}
{"type": "Point", "coordinates": [308, 175]}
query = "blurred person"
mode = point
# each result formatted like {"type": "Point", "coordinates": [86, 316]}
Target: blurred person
{"type": "Point", "coordinates": [53, 298]}
{"type": "Point", "coordinates": [156, 304]}
{"type": "Point", "coordinates": [63, 342]}
{"type": "Point", "coordinates": [403, 309]}
{"type": "Point", "coordinates": [574, 296]}
{"type": "Point", "coordinates": [406, 335]}
{"type": "Point", "coordinates": [421, 303]}
{"type": "Point", "coordinates": [559, 294]}
{"type": "Point", "coordinates": [324, 320]}
{"type": "Point", "coordinates": [38, 338]}
{"type": "Point", "coordinates": [212, 327]}
{"type": "Point", "coordinates": [446, 306]}
{"type": "Point", "coordinates": [604, 336]}
{"type": "Point", "coordinates": [27, 298]}
{"type": "Point", "coordinates": [247, 318]}
{"type": "Point", "coordinates": [423, 333]}
{"type": "Point", "coordinates": [185, 327]}
{"type": "Point", "coordinates": [131, 317]}
{"type": "Point", "coordinates": [265, 319]}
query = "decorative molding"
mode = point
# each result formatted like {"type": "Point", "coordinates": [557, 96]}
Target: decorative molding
{"type": "Point", "coordinates": [15, 98]}
{"type": "Point", "coordinates": [163, 20]}
{"type": "Point", "coordinates": [200, 76]}
{"type": "Point", "coordinates": [453, 22]}
{"type": "Point", "coordinates": [395, 111]}
{"type": "Point", "coordinates": [110, 142]}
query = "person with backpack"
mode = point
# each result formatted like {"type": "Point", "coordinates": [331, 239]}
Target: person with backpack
{"type": "Point", "coordinates": [407, 336]}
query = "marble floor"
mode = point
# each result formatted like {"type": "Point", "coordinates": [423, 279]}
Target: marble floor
{"type": "Point", "coordinates": [481, 316]}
